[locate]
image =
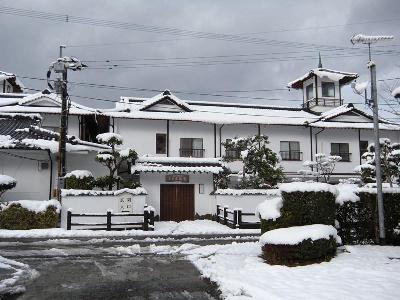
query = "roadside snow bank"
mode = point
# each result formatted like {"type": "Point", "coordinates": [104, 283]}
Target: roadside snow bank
{"type": "Point", "coordinates": [296, 234]}
{"type": "Point", "coordinates": [307, 187]}
{"type": "Point", "coordinates": [36, 206]}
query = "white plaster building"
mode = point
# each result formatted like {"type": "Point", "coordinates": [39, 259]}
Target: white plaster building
{"type": "Point", "coordinates": [179, 142]}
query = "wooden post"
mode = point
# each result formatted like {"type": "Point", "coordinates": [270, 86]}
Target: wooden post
{"type": "Point", "coordinates": [145, 220]}
{"type": "Point", "coordinates": [239, 218]}
{"type": "Point", "coordinates": [235, 218]}
{"type": "Point", "coordinates": [108, 220]}
{"type": "Point", "coordinates": [69, 217]}
{"type": "Point", "coordinates": [225, 215]}
{"type": "Point", "coordinates": [151, 223]}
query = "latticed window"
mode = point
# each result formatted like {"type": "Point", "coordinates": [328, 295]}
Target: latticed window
{"type": "Point", "coordinates": [328, 89]}
{"type": "Point", "coordinates": [342, 150]}
{"type": "Point", "coordinates": [290, 150]}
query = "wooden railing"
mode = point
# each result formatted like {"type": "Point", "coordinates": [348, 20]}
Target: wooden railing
{"type": "Point", "coordinates": [147, 224]}
{"type": "Point", "coordinates": [233, 218]}
{"type": "Point", "coordinates": [191, 152]}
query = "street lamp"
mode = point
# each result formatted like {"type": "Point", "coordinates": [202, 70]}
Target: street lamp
{"type": "Point", "coordinates": [372, 39]}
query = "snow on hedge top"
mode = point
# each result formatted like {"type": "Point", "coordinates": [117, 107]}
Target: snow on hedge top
{"type": "Point", "coordinates": [36, 206]}
{"type": "Point", "coordinates": [307, 187]}
{"type": "Point", "coordinates": [71, 192]}
{"type": "Point", "coordinates": [236, 192]}
{"type": "Point", "coordinates": [107, 136]}
{"type": "Point", "coordinates": [270, 209]}
{"type": "Point", "coordinates": [296, 234]}
{"type": "Point", "coordinates": [346, 192]}
{"type": "Point", "coordinates": [79, 174]}
{"type": "Point", "coordinates": [6, 180]}
{"type": "Point", "coordinates": [163, 159]}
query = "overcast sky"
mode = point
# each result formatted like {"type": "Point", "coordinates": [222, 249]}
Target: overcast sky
{"type": "Point", "coordinates": [181, 61]}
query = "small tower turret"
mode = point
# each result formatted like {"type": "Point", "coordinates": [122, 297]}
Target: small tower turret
{"type": "Point", "coordinates": [322, 87]}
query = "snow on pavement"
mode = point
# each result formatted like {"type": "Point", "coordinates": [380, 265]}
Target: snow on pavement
{"type": "Point", "coordinates": [360, 272]}
{"type": "Point", "coordinates": [197, 227]}
{"type": "Point", "coordinates": [11, 275]}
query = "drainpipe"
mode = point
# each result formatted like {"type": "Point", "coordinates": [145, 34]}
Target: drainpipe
{"type": "Point", "coordinates": [359, 142]}
{"type": "Point", "coordinates": [167, 137]}
{"type": "Point", "coordinates": [51, 173]}
{"type": "Point", "coordinates": [316, 140]}
{"type": "Point", "coordinates": [311, 143]}
{"type": "Point", "coordinates": [220, 140]}
{"type": "Point", "coordinates": [215, 140]}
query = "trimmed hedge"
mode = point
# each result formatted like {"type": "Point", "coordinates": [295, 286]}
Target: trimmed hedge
{"type": "Point", "coordinates": [16, 217]}
{"type": "Point", "coordinates": [303, 208]}
{"type": "Point", "coordinates": [304, 253]}
{"type": "Point", "coordinates": [358, 221]}
{"type": "Point", "coordinates": [84, 183]}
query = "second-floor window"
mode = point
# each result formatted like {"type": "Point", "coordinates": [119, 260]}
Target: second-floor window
{"type": "Point", "coordinates": [342, 150]}
{"type": "Point", "coordinates": [161, 143]}
{"type": "Point", "coordinates": [191, 147]}
{"type": "Point", "coordinates": [232, 154]}
{"type": "Point", "coordinates": [328, 89]}
{"type": "Point", "coordinates": [290, 150]}
{"type": "Point", "coordinates": [310, 91]}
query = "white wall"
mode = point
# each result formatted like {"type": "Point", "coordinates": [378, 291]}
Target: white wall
{"type": "Point", "coordinates": [100, 205]}
{"type": "Point", "coordinates": [32, 183]}
{"type": "Point", "coordinates": [204, 203]}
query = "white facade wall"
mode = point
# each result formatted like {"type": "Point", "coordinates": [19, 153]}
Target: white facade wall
{"type": "Point", "coordinates": [203, 203]}
{"type": "Point", "coordinates": [100, 205]}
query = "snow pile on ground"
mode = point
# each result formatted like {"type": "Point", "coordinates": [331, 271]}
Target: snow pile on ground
{"type": "Point", "coordinates": [6, 180]}
{"type": "Point", "coordinates": [296, 234]}
{"type": "Point", "coordinates": [197, 227]}
{"type": "Point", "coordinates": [307, 187]}
{"type": "Point", "coordinates": [36, 206]}
{"type": "Point", "coordinates": [360, 272]}
{"type": "Point", "coordinates": [79, 174]}
{"type": "Point", "coordinates": [12, 276]}
{"type": "Point", "coordinates": [270, 209]}
{"type": "Point", "coordinates": [107, 136]}
{"type": "Point", "coordinates": [346, 192]}
{"type": "Point", "coordinates": [238, 192]}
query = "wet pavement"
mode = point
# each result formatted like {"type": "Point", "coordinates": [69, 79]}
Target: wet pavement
{"type": "Point", "coordinates": [110, 269]}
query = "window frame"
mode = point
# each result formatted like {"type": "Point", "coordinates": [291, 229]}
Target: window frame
{"type": "Point", "coordinates": [330, 83]}
{"type": "Point", "coordinates": [340, 153]}
{"type": "Point", "coordinates": [294, 155]}
{"type": "Point", "coordinates": [200, 151]}
{"type": "Point", "coordinates": [164, 148]}
{"type": "Point", "coordinates": [310, 87]}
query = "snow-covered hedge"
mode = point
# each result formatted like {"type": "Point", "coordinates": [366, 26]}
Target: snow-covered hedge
{"type": "Point", "coordinates": [300, 245]}
{"type": "Point", "coordinates": [6, 183]}
{"type": "Point", "coordinates": [302, 204]}
{"type": "Point", "coordinates": [29, 214]}
{"type": "Point", "coordinates": [79, 179]}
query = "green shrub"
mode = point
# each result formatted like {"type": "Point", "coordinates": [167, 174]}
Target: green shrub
{"type": "Point", "coordinates": [306, 252]}
{"type": "Point", "coordinates": [16, 217]}
{"type": "Point", "coordinates": [85, 183]}
{"type": "Point", "coordinates": [303, 208]}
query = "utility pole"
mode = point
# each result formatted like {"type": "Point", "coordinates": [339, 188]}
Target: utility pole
{"type": "Point", "coordinates": [61, 67]}
{"type": "Point", "coordinates": [374, 103]}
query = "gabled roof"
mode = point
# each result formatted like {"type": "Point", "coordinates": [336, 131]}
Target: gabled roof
{"type": "Point", "coordinates": [333, 75]}
{"type": "Point", "coordinates": [165, 97]}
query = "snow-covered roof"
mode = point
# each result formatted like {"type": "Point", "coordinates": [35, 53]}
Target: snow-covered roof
{"type": "Point", "coordinates": [13, 79]}
{"type": "Point", "coordinates": [71, 192]}
{"type": "Point", "coordinates": [165, 96]}
{"type": "Point", "coordinates": [333, 75]}
{"type": "Point", "coordinates": [177, 165]}
{"type": "Point", "coordinates": [337, 111]}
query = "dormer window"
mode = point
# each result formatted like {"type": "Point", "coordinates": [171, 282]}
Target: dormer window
{"type": "Point", "coordinates": [310, 91]}
{"type": "Point", "coordinates": [328, 89]}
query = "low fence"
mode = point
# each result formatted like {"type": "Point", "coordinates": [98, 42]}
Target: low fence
{"type": "Point", "coordinates": [147, 224]}
{"type": "Point", "coordinates": [234, 218]}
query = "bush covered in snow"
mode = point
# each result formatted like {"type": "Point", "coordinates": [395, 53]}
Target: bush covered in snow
{"type": "Point", "coordinates": [303, 204]}
{"type": "Point", "coordinates": [6, 183]}
{"type": "Point", "coordinates": [79, 180]}
{"type": "Point", "coordinates": [357, 220]}
{"type": "Point", "coordinates": [29, 214]}
{"type": "Point", "coordinates": [299, 245]}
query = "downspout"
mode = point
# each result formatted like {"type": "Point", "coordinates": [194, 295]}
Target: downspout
{"type": "Point", "coordinates": [113, 124]}
{"type": "Point", "coordinates": [51, 173]}
{"type": "Point", "coordinates": [316, 90]}
{"type": "Point", "coordinates": [316, 140]}
{"type": "Point", "coordinates": [220, 140]}
{"type": "Point", "coordinates": [359, 142]}
{"type": "Point", "coordinates": [215, 140]}
{"type": "Point", "coordinates": [259, 129]}
{"type": "Point", "coordinates": [167, 137]}
{"type": "Point", "coordinates": [311, 146]}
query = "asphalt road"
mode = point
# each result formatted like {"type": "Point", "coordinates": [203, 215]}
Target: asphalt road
{"type": "Point", "coordinates": [96, 269]}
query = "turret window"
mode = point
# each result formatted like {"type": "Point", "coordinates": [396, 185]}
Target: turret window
{"type": "Point", "coordinates": [328, 89]}
{"type": "Point", "coordinates": [310, 91]}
